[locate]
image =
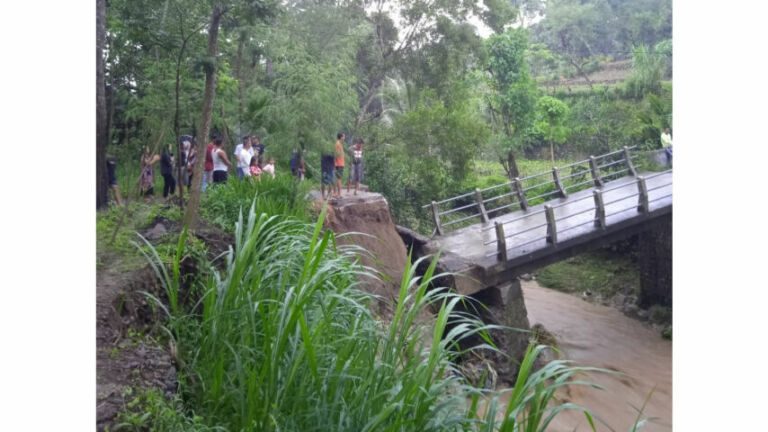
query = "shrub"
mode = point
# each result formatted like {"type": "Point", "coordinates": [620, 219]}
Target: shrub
{"type": "Point", "coordinates": [283, 340]}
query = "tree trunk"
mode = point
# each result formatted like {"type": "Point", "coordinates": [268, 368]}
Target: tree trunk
{"type": "Point", "coordinates": [176, 127]}
{"type": "Point", "coordinates": [101, 108]}
{"type": "Point", "coordinates": [375, 84]}
{"type": "Point", "coordinates": [190, 216]}
{"type": "Point", "coordinates": [551, 145]}
{"type": "Point", "coordinates": [240, 86]}
{"type": "Point", "coordinates": [512, 164]}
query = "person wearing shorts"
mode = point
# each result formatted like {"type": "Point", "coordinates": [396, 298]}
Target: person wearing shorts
{"type": "Point", "coordinates": [326, 166]}
{"type": "Point", "coordinates": [112, 180]}
{"type": "Point", "coordinates": [220, 163]}
{"type": "Point", "coordinates": [208, 169]}
{"type": "Point", "coordinates": [356, 169]}
{"type": "Point", "coordinates": [338, 162]}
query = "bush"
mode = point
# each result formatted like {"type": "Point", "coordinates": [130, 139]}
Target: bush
{"type": "Point", "coordinates": [284, 341]}
{"type": "Point", "coordinates": [283, 195]}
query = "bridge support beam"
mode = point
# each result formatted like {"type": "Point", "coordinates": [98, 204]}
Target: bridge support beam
{"type": "Point", "coordinates": [599, 209]}
{"type": "Point", "coordinates": [642, 200]}
{"type": "Point", "coordinates": [520, 194]}
{"type": "Point", "coordinates": [499, 305]}
{"type": "Point", "coordinates": [595, 172]}
{"type": "Point", "coordinates": [551, 226]}
{"type": "Point", "coordinates": [655, 260]}
{"type": "Point", "coordinates": [436, 218]}
{"type": "Point", "coordinates": [630, 164]}
{"type": "Point", "coordinates": [481, 206]}
{"type": "Point", "coordinates": [558, 183]}
{"type": "Point", "coordinates": [501, 241]}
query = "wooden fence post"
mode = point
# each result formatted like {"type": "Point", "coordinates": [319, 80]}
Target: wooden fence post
{"type": "Point", "coordinates": [558, 183]}
{"type": "Point", "coordinates": [599, 208]}
{"type": "Point", "coordinates": [501, 241]}
{"type": "Point", "coordinates": [551, 227]}
{"type": "Point", "coordinates": [595, 172]}
{"type": "Point", "coordinates": [481, 206]}
{"type": "Point", "coordinates": [520, 194]}
{"type": "Point", "coordinates": [436, 217]}
{"type": "Point", "coordinates": [630, 165]}
{"type": "Point", "coordinates": [642, 199]}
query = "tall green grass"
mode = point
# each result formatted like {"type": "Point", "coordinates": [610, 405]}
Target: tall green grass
{"type": "Point", "coordinates": [284, 195]}
{"type": "Point", "coordinates": [283, 340]}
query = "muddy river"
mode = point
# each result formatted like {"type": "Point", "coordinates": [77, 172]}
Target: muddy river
{"type": "Point", "coordinates": [600, 336]}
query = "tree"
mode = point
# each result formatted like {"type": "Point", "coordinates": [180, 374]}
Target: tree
{"type": "Point", "coordinates": [512, 105]}
{"type": "Point", "coordinates": [554, 111]}
{"type": "Point", "coordinates": [190, 216]}
{"type": "Point", "coordinates": [648, 69]}
{"type": "Point", "coordinates": [102, 133]}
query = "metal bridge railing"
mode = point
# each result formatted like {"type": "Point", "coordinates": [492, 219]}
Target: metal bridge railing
{"type": "Point", "coordinates": [516, 197]}
{"type": "Point", "coordinates": [554, 232]}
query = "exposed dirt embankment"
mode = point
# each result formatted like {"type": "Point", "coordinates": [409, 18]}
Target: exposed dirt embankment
{"type": "Point", "coordinates": [368, 213]}
{"type": "Point", "coordinates": [125, 355]}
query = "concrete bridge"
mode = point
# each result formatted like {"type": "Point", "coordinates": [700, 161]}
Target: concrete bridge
{"type": "Point", "coordinates": [488, 237]}
{"type": "Point", "coordinates": [601, 200]}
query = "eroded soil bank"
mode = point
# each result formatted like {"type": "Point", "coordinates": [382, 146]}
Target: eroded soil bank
{"type": "Point", "coordinates": [601, 336]}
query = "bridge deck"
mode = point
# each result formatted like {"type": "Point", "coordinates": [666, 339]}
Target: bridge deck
{"type": "Point", "coordinates": [621, 199]}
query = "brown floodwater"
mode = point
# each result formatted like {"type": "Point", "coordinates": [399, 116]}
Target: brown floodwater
{"type": "Point", "coordinates": [600, 336]}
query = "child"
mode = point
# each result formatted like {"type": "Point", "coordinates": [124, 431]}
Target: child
{"type": "Point", "coordinates": [270, 167]}
{"type": "Point", "coordinates": [255, 170]}
{"type": "Point", "coordinates": [356, 173]}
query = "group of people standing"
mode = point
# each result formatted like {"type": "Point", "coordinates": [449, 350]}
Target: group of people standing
{"type": "Point", "coordinates": [332, 167]}
{"type": "Point", "coordinates": [248, 160]}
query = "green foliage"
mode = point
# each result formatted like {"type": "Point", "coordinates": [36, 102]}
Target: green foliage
{"type": "Point", "coordinates": [428, 154]}
{"type": "Point", "coordinates": [602, 273]}
{"type": "Point", "coordinates": [515, 95]}
{"type": "Point", "coordinates": [284, 341]}
{"type": "Point", "coordinates": [150, 410]}
{"type": "Point", "coordinates": [656, 116]}
{"type": "Point", "coordinates": [648, 70]}
{"type": "Point", "coordinates": [283, 195]}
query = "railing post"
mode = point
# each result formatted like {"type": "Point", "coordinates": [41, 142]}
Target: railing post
{"type": "Point", "coordinates": [595, 172]}
{"type": "Point", "coordinates": [599, 209]}
{"type": "Point", "coordinates": [481, 206]}
{"type": "Point", "coordinates": [642, 199]}
{"type": "Point", "coordinates": [551, 227]}
{"type": "Point", "coordinates": [630, 165]}
{"type": "Point", "coordinates": [436, 217]}
{"type": "Point", "coordinates": [520, 194]}
{"type": "Point", "coordinates": [558, 183]}
{"type": "Point", "coordinates": [501, 241]}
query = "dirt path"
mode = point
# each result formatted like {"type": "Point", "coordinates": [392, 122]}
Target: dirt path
{"type": "Point", "coordinates": [601, 336]}
{"type": "Point", "coordinates": [123, 357]}
{"type": "Point", "coordinates": [127, 354]}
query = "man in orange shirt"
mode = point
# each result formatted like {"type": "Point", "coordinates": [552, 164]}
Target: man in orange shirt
{"type": "Point", "coordinates": [338, 162]}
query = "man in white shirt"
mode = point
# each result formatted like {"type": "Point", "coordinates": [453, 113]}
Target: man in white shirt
{"type": "Point", "coordinates": [238, 148]}
{"type": "Point", "coordinates": [666, 143]}
{"type": "Point", "coordinates": [243, 158]}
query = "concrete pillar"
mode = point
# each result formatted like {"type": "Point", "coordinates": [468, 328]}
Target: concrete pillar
{"type": "Point", "coordinates": [655, 261]}
{"type": "Point", "coordinates": [504, 306]}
